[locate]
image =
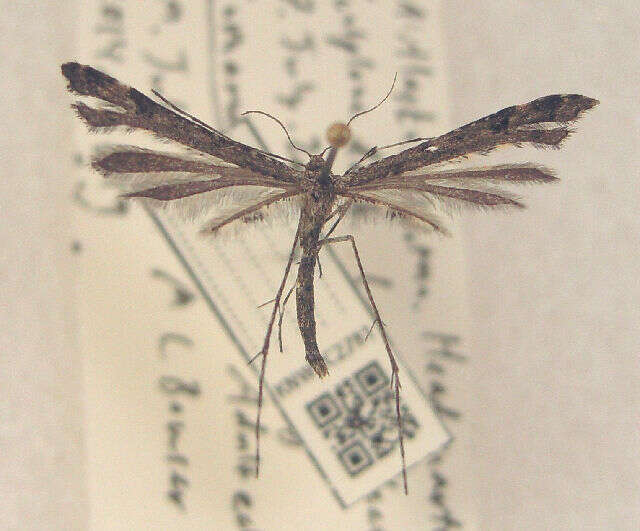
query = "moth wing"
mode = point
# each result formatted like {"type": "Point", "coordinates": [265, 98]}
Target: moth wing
{"type": "Point", "coordinates": [543, 122]}
{"type": "Point", "coordinates": [129, 108]}
{"type": "Point", "coordinates": [254, 207]}
{"type": "Point", "coordinates": [421, 197]}
{"type": "Point", "coordinates": [213, 173]}
{"type": "Point", "coordinates": [192, 187]}
{"type": "Point", "coordinates": [405, 207]}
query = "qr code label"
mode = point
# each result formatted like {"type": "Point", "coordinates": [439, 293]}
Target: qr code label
{"type": "Point", "coordinates": [359, 419]}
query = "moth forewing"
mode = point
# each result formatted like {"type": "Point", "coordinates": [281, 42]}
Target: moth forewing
{"type": "Point", "coordinates": [134, 159]}
{"type": "Point", "coordinates": [138, 111]}
{"type": "Point", "coordinates": [543, 123]}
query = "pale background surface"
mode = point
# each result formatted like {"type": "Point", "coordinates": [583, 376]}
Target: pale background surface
{"type": "Point", "coordinates": [575, 276]}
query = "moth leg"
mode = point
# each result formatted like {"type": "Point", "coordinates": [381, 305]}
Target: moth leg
{"type": "Point", "coordinates": [342, 212]}
{"type": "Point", "coordinates": [370, 330]}
{"type": "Point", "coordinates": [395, 379]}
{"type": "Point", "coordinates": [265, 303]}
{"type": "Point", "coordinates": [284, 303]}
{"type": "Point", "coordinates": [265, 345]}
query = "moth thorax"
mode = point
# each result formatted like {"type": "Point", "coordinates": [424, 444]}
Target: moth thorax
{"type": "Point", "coordinates": [338, 135]}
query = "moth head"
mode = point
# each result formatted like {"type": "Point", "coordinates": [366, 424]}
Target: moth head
{"type": "Point", "coordinates": [338, 135]}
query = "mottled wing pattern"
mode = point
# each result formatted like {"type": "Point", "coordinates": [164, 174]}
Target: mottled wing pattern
{"type": "Point", "coordinates": [542, 122]}
{"type": "Point", "coordinates": [388, 182]}
{"type": "Point", "coordinates": [255, 181]}
{"type": "Point", "coordinates": [137, 111]}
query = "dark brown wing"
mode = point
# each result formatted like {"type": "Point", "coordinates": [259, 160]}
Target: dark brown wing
{"type": "Point", "coordinates": [417, 197]}
{"type": "Point", "coordinates": [137, 111]}
{"type": "Point", "coordinates": [542, 122]}
{"type": "Point", "coordinates": [474, 186]}
{"type": "Point", "coordinates": [168, 176]}
{"type": "Point", "coordinates": [192, 185]}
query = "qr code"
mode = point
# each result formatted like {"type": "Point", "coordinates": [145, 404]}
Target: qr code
{"type": "Point", "coordinates": [359, 418]}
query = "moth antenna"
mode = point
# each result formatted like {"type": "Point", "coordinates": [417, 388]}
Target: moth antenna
{"type": "Point", "coordinates": [209, 128]}
{"type": "Point", "coordinates": [281, 125]}
{"type": "Point", "coordinates": [395, 77]}
{"type": "Point", "coordinates": [375, 150]}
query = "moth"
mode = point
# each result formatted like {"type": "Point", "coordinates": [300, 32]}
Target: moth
{"type": "Point", "coordinates": [407, 186]}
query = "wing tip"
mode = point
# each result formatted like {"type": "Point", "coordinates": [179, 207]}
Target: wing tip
{"type": "Point", "coordinates": [69, 69]}
{"type": "Point", "coordinates": [565, 108]}
{"type": "Point", "coordinates": [80, 77]}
